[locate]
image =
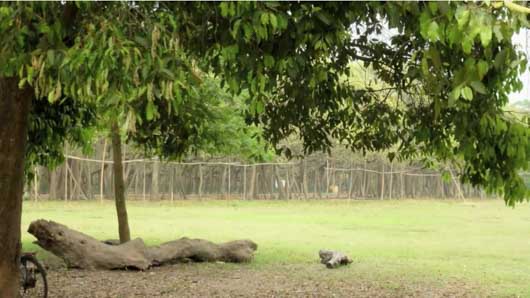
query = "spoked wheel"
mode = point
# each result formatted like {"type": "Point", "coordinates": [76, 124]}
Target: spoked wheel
{"type": "Point", "coordinates": [32, 277]}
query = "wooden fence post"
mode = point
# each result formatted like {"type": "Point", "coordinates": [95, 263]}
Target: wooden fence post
{"type": "Point", "coordinates": [304, 179]}
{"type": "Point", "coordinates": [171, 183]}
{"type": "Point", "coordinates": [101, 176]}
{"type": "Point", "coordinates": [327, 178]}
{"type": "Point", "coordinates": [391, 178]}
{"type": "Point", "coordinates": [229, 179]}
{"type": "Point", "coordinates": [200, 180]}
{"type": "Point", "coordinates": [143, 197]}
{"type": "Point", "coordinates": [66, 179]}
{"type": "Point", "coordinates": [382, 180]}
{"type": "Point", "coordinates": [402, 183]}
{"type": "Point", "coordinates": [287, 183]}
{"type": "Point", "coordinates": [351, 180]}
{"type": "Point", "coordinates": [36, 183]}
{"type": "Point", "coordinates": [365, 180]}
{"type": "Point", "coordinates": [245, 181]}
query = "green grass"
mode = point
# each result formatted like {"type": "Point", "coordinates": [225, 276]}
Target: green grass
{"type": "Point", "coordinates": [479, 242]}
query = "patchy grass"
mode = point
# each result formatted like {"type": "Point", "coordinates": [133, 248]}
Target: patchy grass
{"type": "Point", "coordinates": [482, 243]}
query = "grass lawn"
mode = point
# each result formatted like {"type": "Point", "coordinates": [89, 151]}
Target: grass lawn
{"type": "Point", "coordinates": [426, 241]}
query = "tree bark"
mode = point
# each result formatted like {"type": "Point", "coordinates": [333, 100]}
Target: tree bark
{"type": "Point", "coordinates": [119, 185]}
{"type": "Point", "coordinates": [15, 105]}
{"type": "Point", "coordinates": [79, 250]}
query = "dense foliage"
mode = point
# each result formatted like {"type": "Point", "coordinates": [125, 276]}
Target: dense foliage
{"type": "Point", "coordinates": [448, 68]}
{"type": "Point", "coordinates": [450, 65]}
{"type": "Point", "coordinates": [208, 122]}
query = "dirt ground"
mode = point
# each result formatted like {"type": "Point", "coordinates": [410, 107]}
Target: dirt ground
{"type": "Point", "coordinates": [222, 280]}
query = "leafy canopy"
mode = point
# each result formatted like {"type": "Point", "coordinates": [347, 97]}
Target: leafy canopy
{"type": "Point", "coordinates": [448, 68]}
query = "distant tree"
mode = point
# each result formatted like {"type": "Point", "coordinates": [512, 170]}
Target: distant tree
{"type": "Point", "coordinates": [451, 66]}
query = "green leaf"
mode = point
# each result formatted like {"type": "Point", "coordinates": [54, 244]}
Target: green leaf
{"type": "Point", "coordinates": [282, 21]}
{"type": "Point", "coordinates": [425, 66]}
{"type": "Point", "coordinates": [435, 56]}
{"type": "Point", "coordinates": [467, 93]}
{"type": "Point", "coordinates": [467, 45]}
{"type": "Point", "coordinates": [268, 61]}
{"type": "Point", "coordinates": [433, 33]}
{"type": "Point", "coordinates": [51, 96]}
{"type": "Point", "coordinates": [324, 18]}
{"type": "Point", "coordinates": [21, 83]}
{"type": "Point", "coordinates": [462, 16]}
{"type": "Point", "coordinates": [433, 6]}
{"type": "Point", "coordinates": [500, 59]}
{"type": "Point", "coordinates": [248, 31]}
{"type": "Point", "coordinates": [264, 18]}
{"type": "Point", "coordinates": [425, 20]}
{"type": "Point", "coordinates": [224, 9]}
{"type": "Point", "coordinates": [482, 69]}
{"type": "Point", "coordinates": [498, 32]}
{"type": "Point", "coordinates": [479, 87]}
{"type": "Point", "coordinates": [273, 20]}
{"type": "Point", "coordinates": [454, 95]}
{"type": "Point", "coordinates": [259, 107]}
{"type": "Point", "coordinates": [234, 85]}
{"type": "Point", "coordinates": [168, 74]}
{"type": "Point", "coordinates": [485, 35]}
{"type": "Point", "coordinates": [150, 110]}
{"type": "Point", "coordinates": [235, 28]}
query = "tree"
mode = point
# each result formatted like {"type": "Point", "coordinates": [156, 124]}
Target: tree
{"type": "Point", "coordinates": [451, 65]}
{"type": "Point", "coordinates": [207, 120]}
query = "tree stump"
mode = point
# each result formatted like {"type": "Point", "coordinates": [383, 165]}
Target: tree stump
{"type": "Point", "coordinates": [333, 259]}
{"type": "Point", "coordinates": [81, 251]}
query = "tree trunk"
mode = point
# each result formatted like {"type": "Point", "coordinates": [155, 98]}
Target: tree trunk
{"type": "Point", "coordinates": [119, 185]}
{"type": "Point", "coordinates": [14, 110]}
{"type": "Point", "coordinates": [79, 250]}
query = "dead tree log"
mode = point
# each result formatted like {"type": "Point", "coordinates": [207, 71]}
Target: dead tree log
{"type": "Point", "coordinates": [199, 250]}
{"type": "Point", "coordinates": [333, 259]}
{"type": "Point", "coordinates": [81, 251]}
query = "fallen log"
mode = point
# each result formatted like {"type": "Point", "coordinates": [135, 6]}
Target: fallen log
{"type": "Point", "coordinates": [199, 250]}
{"type": "Point", "coordinates": [333, 259]}
{"type": "Point", "coordinates": [79, 250]}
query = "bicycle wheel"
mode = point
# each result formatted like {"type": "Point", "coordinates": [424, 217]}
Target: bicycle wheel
{"type": "Point", "coordinates": [33, 278]}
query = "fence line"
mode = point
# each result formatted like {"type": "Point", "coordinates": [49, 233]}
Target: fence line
{"type": "Point", "coordinates": [82, 178]}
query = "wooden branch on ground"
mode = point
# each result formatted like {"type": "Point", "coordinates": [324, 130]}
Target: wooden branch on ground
{"type": "Point", "coordinates": [333, 259]}
{"type": "Point", "coordinates": [79, 250]}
